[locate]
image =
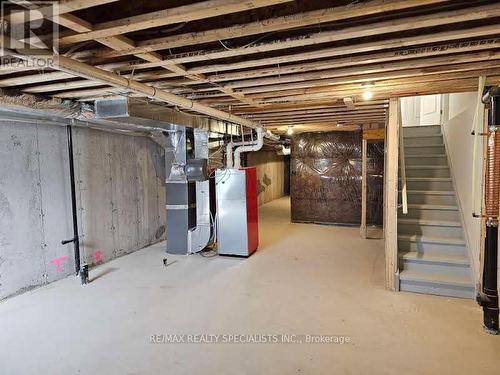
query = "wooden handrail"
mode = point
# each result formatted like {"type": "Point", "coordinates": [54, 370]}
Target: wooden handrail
{"type": "Point", "coordinates": [475, 131]}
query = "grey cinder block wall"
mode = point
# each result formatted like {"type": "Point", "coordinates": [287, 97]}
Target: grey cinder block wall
{"type": "Point", "coordinates": [120, 198]}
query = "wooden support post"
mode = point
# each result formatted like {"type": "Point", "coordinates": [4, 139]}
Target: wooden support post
{"type": "Point", "coordinates": [391, 195]}
{"type": "Point", "coordinates": [364, 198]}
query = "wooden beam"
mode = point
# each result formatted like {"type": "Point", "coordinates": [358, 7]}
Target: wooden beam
{"type": "Point", "coordinates": [374, 134]}
{"type": "Point", "coordinates": [426, 88]}
{"type": "Point", "coordinates": [320, 104]}
{"type": "Point", "coordinates": [83, 70]}
{"type": "Point", "coordinates": [121, 42]}
{"type": "Point", "coordinates": [185, 13]}
{"type": "Point", "coordinates": [409, 48]}
{"type": "Point", "coordinates": [380, 28]}
{"type": "Point", "coordinates": [293, 88]}
{"type": "Point", "coordinates": [316, 128]}
{"type": "Point", "coordinates": [314, 17]}
{"type": "Point", "coordinates": [350, 114]}
{"type": "Point", "coordinates": [63, 7]}
{"type": "Point", "coordinates": [397, 88]}
{"type": "Point", "coordinates": [394, 60]}
{"type": "Point", "coordinates": [303, 112]}
{"type": "Point", "coordinates": [343, 118]}
{"type": "Point", "coordinates": [391, 197]}
{"type": "Point", "coordinates": [322, 126]}
{"type": "Point", "coordinates": [381, 81]}
{"type": "Point", "coordinates": [380, 87]}
{"type": "Point", "coordinates": [397, 69]}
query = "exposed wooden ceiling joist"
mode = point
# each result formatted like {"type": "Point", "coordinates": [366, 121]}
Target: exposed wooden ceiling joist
{"type": "Point", "coordinates": [301, 77]}
{"type": "Point", "coordinates": [63, 7]}
{"type": "Point", "coordinates": [375, 29]}
{"type": "Point", "coordinates": [121, 42]}
{"type": "Point", "coordinates": [315, 17]}
{"type": "Point", "coordinates": [185, 13]}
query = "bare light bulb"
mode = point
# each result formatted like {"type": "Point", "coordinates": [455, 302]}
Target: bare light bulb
{"type": "Point", "coordinates": [367, 95]}
{"type": "Point", "coordinates": [290, 130]}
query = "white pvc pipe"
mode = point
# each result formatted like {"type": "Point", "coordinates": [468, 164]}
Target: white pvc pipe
{"type": "Point", "coordinates": [229, 151]}
{"type": "Point", "coordinates": [229, 155]}
{"type": "Point", "coordinates": [249, 147]}
{"type": "Point", "coordinates": [229, 147]}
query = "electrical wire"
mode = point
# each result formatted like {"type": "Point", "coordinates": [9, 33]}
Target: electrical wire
{"type": "Point", "coordinates": [210, 251]}
{"type": "Point", "coordinates": [246, 45]}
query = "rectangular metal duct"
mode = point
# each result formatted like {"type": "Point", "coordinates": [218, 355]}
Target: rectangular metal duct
{"type": "Point", "coordinates": [155, 115]}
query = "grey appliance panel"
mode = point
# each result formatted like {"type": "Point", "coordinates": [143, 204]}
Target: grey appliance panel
{"type": "Point", "coordinates": [231, 184]}
{"type": "Point", "coordinates": [177, 228]}
{"type": "Point", "coordinates": [177, 193]}
{"type": "Point", "coordinates": [232, 232]}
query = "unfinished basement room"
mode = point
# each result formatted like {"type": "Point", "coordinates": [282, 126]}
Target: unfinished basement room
{"type": "Point", "coordinates": [249, 187]}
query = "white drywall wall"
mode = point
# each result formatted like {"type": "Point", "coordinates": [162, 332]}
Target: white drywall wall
{"type": "Point", "coordinates": [459, 144]}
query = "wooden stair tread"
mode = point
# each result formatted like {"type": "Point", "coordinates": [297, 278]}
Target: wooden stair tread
{"type": "Point", "coordinates": [434, 240]}
{"type": "Point", "coordinates": [422, 135]}
{"type": "Point", "coordinates": [424, 146]}
{"type": "Point", "coordinates": [427, 179]}
{"type": "Point", "coordinates": [427, 167]}
{"type": "Point", "coordinates": [428, 277]}
{"type": "Point", "coordinates": [433, 207]}
{"type": "Point", "coordinates": [430, 192]}
{"type": "Point", "coordinates": [440, 223]}
{"type": "Point", "coordinates": [435, 258]}
{"type": "Point", "coordinates": [426, 156]}
{"type": "Point", "coordinates": [420, 126]}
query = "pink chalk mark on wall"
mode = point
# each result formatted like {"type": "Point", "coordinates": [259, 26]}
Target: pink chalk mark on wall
{"type": "Point", "coordinates": [58, 263]}
{"type": "Point", "coordinates": [98, 256]}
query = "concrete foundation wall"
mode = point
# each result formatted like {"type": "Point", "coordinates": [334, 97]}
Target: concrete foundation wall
{"type": "Point", "coordinates": [120, 196]}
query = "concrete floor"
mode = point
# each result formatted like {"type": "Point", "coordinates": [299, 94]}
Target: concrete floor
{"type": "Point", "coordinates": [305, 279]}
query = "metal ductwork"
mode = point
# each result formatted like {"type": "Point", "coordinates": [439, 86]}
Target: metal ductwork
{"type": "Point", "coordinates": [185, 141]}
{"type": "Point", "coordinates": [149, 116]}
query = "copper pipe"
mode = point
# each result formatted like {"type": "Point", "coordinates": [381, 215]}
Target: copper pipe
{"type": "Point", "coordinates": [492, 192]}
{"type": "Point", "coordinates": [488, 296]}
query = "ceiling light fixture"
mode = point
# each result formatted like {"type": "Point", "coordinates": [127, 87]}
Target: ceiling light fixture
{"type": "Point", "coordinates": [290, 130]}
{"type": "Point", "coordinates": [368, 93]}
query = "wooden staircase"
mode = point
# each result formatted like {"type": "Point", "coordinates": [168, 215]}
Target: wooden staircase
{"type": "Point", "coordinates": [432, 252]}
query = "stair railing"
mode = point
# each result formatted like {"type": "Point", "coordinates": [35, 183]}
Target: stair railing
{"type": "Point", "coordinates": [402, 163]}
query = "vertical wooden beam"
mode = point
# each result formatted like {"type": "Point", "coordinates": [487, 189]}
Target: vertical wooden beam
{"type": "Point", "coordinates": [391, 195]}
{"type": "Point", "coordinates": [363, 187]}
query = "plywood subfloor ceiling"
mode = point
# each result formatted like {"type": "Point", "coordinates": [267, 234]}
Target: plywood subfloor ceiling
{"type": "Point", "coordinates": [278, 63]}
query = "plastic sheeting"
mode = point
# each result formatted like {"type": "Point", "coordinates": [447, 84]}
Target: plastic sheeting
{"type": "Point", "coordinates": [326, 178]}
